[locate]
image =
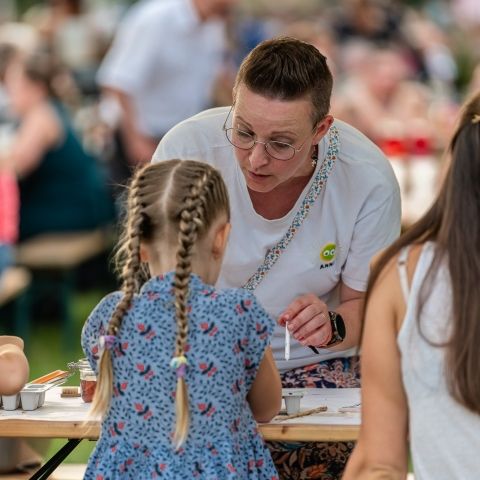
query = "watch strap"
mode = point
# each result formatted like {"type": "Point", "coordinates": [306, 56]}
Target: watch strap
{"type": "Point", "coordinates": [338, 331]}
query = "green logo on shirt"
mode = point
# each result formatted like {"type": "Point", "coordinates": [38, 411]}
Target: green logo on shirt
{"type": "Point", "coordinates": [327, 253]}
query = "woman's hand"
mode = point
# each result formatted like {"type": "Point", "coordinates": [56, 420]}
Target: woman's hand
{"type": "Point", "coordinates": [308, 320]}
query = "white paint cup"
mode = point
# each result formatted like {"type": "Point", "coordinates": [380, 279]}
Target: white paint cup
{"type": "Point", "coordinates": [292, 401]}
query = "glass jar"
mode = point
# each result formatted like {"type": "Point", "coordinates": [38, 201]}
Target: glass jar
{"type": "Point", "coordinates": [88, 383]}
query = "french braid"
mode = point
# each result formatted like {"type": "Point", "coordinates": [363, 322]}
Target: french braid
{"type": "Point", "coordinates": [130, 285]}
{"type": "Point", "coordinates": [191, 221]}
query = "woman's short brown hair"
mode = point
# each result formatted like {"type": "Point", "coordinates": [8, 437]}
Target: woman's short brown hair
{"type": "Point", "coordinates": [288, 69]}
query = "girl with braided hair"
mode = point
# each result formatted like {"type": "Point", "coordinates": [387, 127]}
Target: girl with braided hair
{"type": "Point", "coordinates": [184, 370]}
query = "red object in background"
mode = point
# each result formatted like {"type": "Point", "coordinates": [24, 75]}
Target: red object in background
{"type": "Point", "coordinates": [393, 147]}
{"type": "Point", "coordinates": [420, 146]}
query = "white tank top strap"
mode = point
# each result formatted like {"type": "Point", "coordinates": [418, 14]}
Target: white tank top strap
{"type": "Point", "coordinates": [402, 271]}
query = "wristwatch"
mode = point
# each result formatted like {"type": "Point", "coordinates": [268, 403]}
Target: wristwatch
{"type": "Point", "coordinates": [338, 331]}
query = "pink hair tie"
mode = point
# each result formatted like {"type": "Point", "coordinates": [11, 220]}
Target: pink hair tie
{"type": "Point", "coordinates": [107, 341]}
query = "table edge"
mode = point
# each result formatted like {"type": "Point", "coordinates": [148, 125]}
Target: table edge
{"type": "Point", "coordinates": [91, 430]}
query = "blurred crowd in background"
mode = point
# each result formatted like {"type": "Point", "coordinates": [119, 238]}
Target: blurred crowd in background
{"type": "Point", "coordinates": [401, 70]}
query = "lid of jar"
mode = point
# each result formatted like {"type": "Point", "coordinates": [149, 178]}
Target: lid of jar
{"type": "Point", "coordinates": [79, 364]}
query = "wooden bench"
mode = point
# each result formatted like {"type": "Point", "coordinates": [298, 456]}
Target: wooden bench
{"type": "Point", "coordinates": [58, 255]}
{"type": "Point", "coordinates": [13, 282]}
{"type": "Point", "coordinates": [60, 251]}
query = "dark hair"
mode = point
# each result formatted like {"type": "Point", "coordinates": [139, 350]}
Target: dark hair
{"type": "Point", "coordinates": [453, 223]}
{"type": "Point", "coordinates": [73, 7]}
{"type": "Point", "coordinates": [43, 67]}
{"type": "Point", "coordinates": [176, 202]}
{"type": "Point", "coordinates": [288, 69]}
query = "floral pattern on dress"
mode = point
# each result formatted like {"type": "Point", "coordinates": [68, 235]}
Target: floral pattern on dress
{"type": "Point", "coordinates": [227, 337]}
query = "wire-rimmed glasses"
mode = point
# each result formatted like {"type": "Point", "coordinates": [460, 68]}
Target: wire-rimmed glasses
{"type": "Point", "coordinates": [246, 141]}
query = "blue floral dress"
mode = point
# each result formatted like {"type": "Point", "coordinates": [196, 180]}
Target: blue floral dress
{"type": "Point", "coordinates": [228, 334]}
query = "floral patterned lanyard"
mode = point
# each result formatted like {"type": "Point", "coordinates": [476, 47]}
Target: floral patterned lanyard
{"type": "Point", "coordinates": [273, 254]}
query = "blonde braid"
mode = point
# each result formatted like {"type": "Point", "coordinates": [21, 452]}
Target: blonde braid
{"type": "Point", "coordinates": [191, 221]}
{"type": "Point", "coordinates": [130, 285]}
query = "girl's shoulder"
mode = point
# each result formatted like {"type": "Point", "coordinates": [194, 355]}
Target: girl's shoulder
{"type": "Point", "coordinates": [242, 307]}
{"type": "Point", "coordinates": [234, 296]}
{"type": "Point", "coordinates": [106, 306]}
{"type": "Point", "coordinates": [395, 280]}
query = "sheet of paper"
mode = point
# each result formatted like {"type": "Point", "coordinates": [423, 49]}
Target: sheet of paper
{"type": "Point", "coordinates": [333, 398]}
{"type": "Point", "coordinates": [55, 408]}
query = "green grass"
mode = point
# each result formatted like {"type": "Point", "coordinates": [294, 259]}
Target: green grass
{"type": "Point", "coordinates": [47, 345]}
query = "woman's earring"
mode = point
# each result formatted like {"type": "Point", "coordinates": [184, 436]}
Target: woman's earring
{"type": "Point", "coordinates": [314, 156]}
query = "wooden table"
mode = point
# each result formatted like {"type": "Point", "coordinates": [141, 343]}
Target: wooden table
{"type": "Point", "coordinates": [65, 418]}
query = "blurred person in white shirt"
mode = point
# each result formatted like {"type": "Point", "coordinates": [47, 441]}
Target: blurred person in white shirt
{"type": "Point", "coordinates": [161, 69]}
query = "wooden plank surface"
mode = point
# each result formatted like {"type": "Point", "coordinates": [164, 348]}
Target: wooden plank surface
{"type": "Point", "coordinates": [270, 431]}
{"type": "Point", "coordinates": [309, 433]}
{"type": "Point", "coordinates": [61, 250]}
{"type": "Point", "coordinates": [49, 429]}
{"type": "Point", "coordinates": [13, 282]}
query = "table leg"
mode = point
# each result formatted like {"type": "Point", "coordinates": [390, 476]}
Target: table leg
{"type": "Point", "coordinates": [56, 460]}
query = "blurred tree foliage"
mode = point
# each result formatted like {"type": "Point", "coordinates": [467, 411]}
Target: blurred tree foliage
{"type": "Point", "coordinates": [23, 5]}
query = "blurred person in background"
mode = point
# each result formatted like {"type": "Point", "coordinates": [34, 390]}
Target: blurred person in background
{"type": "Point", "coordinates": [318, 33]}
{"type": "Point", "coordinates": [161, 69]}
{"type": "Point", "coordinates": [9, 211]}
{"type": "Point", "coordinates": [432, 44]}
{"type": "Point", "coordinates": [380, 88]}
{"type": "Point", "coordinates": [382, 98]}
{"type": "Point", "coordinates": [72, 32]}
{"type": "Point", "coordinates": [13, 37]}
{"type": "Point", "coordinates": [371, 20]}
{"type": "Point", "coordinates": [9, 196]}
{"type": "Point", "coordinates": [62, 187]}
{"type": "Point", "coordinates": [365, 97]}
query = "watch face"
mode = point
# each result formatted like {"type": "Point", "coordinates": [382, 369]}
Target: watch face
{"type": "Point", "coordinates": [340, 326]}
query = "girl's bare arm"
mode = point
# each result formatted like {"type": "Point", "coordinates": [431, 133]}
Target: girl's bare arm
{"type": "Point", "coordinates": [265, 396]}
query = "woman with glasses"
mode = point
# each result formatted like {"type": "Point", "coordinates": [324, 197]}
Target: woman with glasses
{"type": "Point", "coordinates": [312, 201]}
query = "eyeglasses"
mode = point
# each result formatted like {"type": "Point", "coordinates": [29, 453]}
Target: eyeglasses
{"type": "Point", "coordinates": [246, 141]}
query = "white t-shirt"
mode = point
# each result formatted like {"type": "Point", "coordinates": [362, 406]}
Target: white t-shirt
{"type": "Point", "coordinates": [166, 59]}
{"type": "Point", "coordinates": [357, 213]}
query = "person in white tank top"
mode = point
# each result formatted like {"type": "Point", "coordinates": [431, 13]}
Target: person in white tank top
{"type": "Point", "coordinates": [420, 362]}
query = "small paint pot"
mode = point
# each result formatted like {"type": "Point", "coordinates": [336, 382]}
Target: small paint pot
{"type": "Point", "coordinates": [33, 395]}
{"type": "Point", "coordinates": [11, 402]}
{"type": "Point", "coordinates": [292, 401]}
{"type": "Point", "coordinates": [30, 400]}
